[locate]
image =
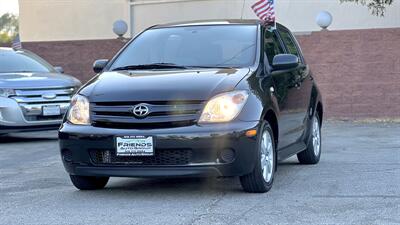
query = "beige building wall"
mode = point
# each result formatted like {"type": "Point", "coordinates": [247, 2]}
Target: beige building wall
{"type": "Point", "coordinates": [50, 20]}
{"type": "Point", "coordinates": [53, 20]}
{"type": "Point", "coordinates": [299, 15]}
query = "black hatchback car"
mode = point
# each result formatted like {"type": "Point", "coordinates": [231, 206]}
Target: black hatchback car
{"type": "Point", "coordinates": [203, 98]}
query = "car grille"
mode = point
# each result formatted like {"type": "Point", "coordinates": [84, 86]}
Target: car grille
{"type": "Point", "coordinates": [32, 101]}
{"type": "Point", "coordinates": [161, 157]}
{"type": "Point", "coordinates": [162, 114]}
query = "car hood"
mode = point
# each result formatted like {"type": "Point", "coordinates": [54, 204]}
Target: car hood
{"type": "Point", "coordinates": [162, 85]}
{"type": "Point", "coordinates": [36, 80]}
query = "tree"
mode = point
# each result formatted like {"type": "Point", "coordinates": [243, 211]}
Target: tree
{"type": "Point", "coordinates": [377, 7]}
{"type": "Point", "coordinates": [8, 27]}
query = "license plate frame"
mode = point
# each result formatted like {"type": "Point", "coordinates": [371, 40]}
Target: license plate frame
{"type": "Point", "coordinates": [134, 145]}
{"type": "Point", "coordinates": [51, 110]}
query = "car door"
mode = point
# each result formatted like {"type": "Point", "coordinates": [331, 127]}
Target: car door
{"type": "Point", "coordinates": [284, 90]}
{"type": "Point", "coordinates": [298, 99]}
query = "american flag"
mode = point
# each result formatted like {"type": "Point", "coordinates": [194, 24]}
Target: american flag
{"type": "Point", "coordinates": [16, 45]}
{"type": "Point", "coordinates": [265, 10]}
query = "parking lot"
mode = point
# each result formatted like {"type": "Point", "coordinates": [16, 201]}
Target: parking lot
{"type": "Point", "coordinates": [356, 182]}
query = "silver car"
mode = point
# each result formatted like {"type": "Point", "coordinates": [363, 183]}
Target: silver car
{"type": "Point", "coordinates": [33, 94]}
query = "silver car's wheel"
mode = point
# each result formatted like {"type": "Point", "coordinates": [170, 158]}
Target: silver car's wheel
{"type": "Point", "coordinates": [267, 156]}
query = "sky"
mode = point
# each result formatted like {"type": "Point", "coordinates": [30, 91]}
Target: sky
{"type": "Point", "coordinates": [10, 6]}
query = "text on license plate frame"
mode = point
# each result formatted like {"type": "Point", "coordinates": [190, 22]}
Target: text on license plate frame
{"type": "Point", "coordinates": [135, 145]}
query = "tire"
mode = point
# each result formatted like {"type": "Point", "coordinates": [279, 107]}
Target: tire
{"type": "Point", "coordinates": [89, 183]}
{"type": "Point", "coordinates": [312, 154]}
{"type": "Point", "coordinates": [257, 181]}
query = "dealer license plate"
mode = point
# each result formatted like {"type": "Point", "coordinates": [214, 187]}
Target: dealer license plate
{"type": "Point", "coordinates": [51, 110]}
{"type": "Point", "coordinates": [135, 146]}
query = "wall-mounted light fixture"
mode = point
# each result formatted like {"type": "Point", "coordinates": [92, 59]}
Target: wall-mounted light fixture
{"type": "Point", "coordinates": [120, 28]}
{"type": "Point", "coordinates": [324, 19]}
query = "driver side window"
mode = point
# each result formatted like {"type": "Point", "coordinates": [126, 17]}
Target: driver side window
{"type": "Point", "coordinates": [272, 47]}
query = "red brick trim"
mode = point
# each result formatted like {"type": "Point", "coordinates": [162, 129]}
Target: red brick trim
{"type": "Point", "coordinates": [76, 57]}
{"type": "Point", "coordinates": [358, 71]}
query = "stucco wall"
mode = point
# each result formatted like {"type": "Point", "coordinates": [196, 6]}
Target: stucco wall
{"type": "Point", "coordinates": [54, 20]}
{"type": "Point", "coordinates": [298, 15]}
{"type": "Point", "coordinates": [358, 72]}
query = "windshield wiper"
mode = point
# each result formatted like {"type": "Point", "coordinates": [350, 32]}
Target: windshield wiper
{"type": "Point", "coordinates": [211, 67]}
{"type": "Point", "coordinates": [151, 66]}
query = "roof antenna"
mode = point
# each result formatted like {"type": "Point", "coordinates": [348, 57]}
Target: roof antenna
{"type": "Point", "coordinates": [244, 2]}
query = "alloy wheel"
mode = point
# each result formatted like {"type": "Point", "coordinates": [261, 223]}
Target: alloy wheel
{"type": "Point", "coordinates": [267, 156]}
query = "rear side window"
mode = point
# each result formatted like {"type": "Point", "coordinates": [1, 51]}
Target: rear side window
{"type": "Point", "coordinates": [272, 47]}
{"type": "Point", "coordinates": [289, 42]}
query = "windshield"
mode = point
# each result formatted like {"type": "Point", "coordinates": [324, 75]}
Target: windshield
{"type": "Point", "coordinates": [192, 46]}
{"type": "Point", "coordinates": [13, 62]}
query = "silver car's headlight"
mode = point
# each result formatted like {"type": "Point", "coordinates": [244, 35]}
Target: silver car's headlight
{"type": "Point", "coordinates": [224, 107]}
{"type": "Point", "coordinates": [6, 92]}
{"type": "Point", "coordinates": [79, 111]}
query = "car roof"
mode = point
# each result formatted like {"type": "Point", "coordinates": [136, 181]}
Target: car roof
{"type": "Point", "coordinates": [14, 51]}
{"type": "Point", "coordinates": [11, 51]}
{"type": "Point", "coordinates": [6, 49]}
{"type": "Point", "coordinates": [210, 22]}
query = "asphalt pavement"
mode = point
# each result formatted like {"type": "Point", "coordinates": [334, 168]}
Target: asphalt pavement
{"type": "Point", "coordinates": [356, 182]}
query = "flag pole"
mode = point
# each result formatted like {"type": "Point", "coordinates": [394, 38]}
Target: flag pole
{"type": "Point", "coordinates": [244, 2]}
{"type": "Point", "coordinates": [274, 14]}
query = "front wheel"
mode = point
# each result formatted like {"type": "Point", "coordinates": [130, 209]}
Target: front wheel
{"type": "Point", "coordinates": [313, 152]}
{"type": "Point", "coordinates": [89, 183]}
{"type": "Point", "coordinates": [261, 178]}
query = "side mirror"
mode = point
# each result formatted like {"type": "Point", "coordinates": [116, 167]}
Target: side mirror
{"type": "Point", "coordinates": [59, 69]}
{"type": "Point", "coordinates": [99, 65]}
{"type": "Point", "coordinates": [285, 62]}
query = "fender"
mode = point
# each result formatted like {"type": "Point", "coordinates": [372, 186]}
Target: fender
{"type": "Point", "coordinates": [314, 100]}
{"type": "Point", "coordinates": [260, 101]}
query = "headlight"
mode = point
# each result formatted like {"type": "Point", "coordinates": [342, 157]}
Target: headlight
{"type": "Point", "coordinates": [224, 107]}
{"type": "Point", "coordinates": [6, 92]}
{"type": "Point", "coordinates": [79, 111]}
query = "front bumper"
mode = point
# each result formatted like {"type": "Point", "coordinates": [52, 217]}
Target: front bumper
{"type": "Point", "coordinates": [206, 144]}
{"type": "Point", "coordinates": [12, 118]}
